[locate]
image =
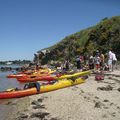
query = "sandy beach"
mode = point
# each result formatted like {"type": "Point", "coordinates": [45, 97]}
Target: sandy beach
{"type": "Point", "coordinates": [91, 100]}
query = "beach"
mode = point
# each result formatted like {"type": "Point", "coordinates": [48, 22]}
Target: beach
{"type": "Point", "coordinates": [88, 101]}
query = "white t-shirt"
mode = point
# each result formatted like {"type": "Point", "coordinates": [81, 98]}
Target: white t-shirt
{"type": "Point", "coordinates": [110, 55]}
{"type": "Point", "coordinates": [97, 60]}
{"type": "Point", "coordinates": [114, 57]}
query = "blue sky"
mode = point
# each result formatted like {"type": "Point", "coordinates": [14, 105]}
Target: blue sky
{"type": "Point", "coordinates": [27, 26]}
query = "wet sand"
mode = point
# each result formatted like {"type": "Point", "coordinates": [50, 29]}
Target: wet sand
{"type": "Point", "coordinates": [88, 101]}
{"type": "Point", "coordinates": [4, 110]}
{"type": "Point", "coordinates": [11, 108]}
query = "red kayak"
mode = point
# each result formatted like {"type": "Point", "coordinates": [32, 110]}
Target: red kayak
{"type": "Point", "coordinates": [15, 75]}
{"type": "Point", "coordinates": [37, 78]}
{"type": "Point", "coordinates": [18, 76]}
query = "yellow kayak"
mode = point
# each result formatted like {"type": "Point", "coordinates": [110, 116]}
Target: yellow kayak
{"type": "Point", "coordinates": [74, 75]}
{"type": "Point", "coordinates": [42, 89]}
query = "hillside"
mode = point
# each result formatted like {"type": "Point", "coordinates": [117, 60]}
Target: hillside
{"type": "Point", "coordinates": [102, 36]}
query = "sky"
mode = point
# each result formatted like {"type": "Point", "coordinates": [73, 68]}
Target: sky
{"type": "Point", "coordinates": [27, 26]}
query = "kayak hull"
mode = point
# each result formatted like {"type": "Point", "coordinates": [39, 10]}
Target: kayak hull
{"type": "Point", "coordinates": [18, 76]}
{"type": "Point", "coordinates": [44, 88]}
{"type": "Point", "coordinates": [35, 78]}
{"type": "Point", "coordinates": [15, 75]}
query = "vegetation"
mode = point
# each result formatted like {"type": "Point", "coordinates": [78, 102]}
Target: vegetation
{"type": "Point", "coordinates": [103, 36]}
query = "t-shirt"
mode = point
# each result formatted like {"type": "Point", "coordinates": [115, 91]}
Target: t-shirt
{"type": "Point", "coordinates": [91, 60]}
{"type": "Point", "coordinates": [114, 57]}
{"type": "Point", "coordinates": [110, 55]}
{"type": "Point", "coordinates": [102, 57]}
{"type": "Point", "coordinates": [97, 60]}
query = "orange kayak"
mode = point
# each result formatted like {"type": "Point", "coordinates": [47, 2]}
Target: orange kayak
{"type": "Point", "coordinates": [37, 78]}
{"type": "Point", "coordinates": [17, 76]}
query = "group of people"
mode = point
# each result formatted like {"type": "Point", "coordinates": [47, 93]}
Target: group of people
{"type": "Point", "coordinates": [99, 61]}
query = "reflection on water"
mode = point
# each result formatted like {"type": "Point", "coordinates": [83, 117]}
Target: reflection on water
{"type": "Point", "coordinates": [6, 83]}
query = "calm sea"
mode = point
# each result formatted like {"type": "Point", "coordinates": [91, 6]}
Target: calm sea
{"type": "Point", "coordinates": [6, 83]}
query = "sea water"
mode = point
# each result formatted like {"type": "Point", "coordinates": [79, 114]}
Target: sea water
{"type": "Point", "coordinates": [6, 83]}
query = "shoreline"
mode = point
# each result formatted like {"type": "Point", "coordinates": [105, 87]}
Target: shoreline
{"type": "Point", "coordinates": [90, 100]}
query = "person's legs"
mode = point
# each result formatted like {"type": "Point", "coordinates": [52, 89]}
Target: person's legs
{"type": "Point", "coordinates": [97, 66]}
{"type": "Point", "coordinates": [115, 64]}
{"type": "Point", "coordinates": [110, 65]}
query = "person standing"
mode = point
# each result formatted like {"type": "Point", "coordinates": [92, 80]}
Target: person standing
{"type": "Point", "coordinates": [78, 62]}
{"type": "Point", "coordinates": [37, 67]}
{"type": "Point", "coordinates": [114, 61]}
{"type": "Point", "coordinates": [97, 62]}
{"type": "Point", "coordinates": [110, 60]}
{"type": "Point", "coordinates": [67, 64]}
{"type": "Point", "coordinates": [102, 60]}
{"type": "Point", "coordinates": [91, 62]}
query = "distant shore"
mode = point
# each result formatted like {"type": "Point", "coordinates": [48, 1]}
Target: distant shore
{"type": "Point", "coordinates": [12, 67]}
